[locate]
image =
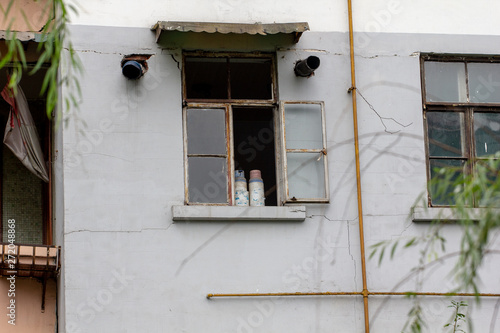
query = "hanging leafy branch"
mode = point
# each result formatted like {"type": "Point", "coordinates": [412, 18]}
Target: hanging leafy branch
{"type": "Point", "coordinates": [458, 317]}
{"type": "Point", "coordinates": [54, 39]}
{"type": "Point", "coordinates": [462, 192]}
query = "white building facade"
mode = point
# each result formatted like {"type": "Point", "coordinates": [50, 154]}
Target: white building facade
{"type": "Point", "coordinates": [144, 187]}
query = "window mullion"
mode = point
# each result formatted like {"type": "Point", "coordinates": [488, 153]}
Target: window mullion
{"type": "Point", "coordinates": [230, 153]}
{"type": "Point", "coordinates": [228, 73]}
{"type": "Point", "coordinates": [467, 82]}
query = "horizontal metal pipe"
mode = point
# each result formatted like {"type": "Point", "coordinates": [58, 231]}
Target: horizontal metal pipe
{"type": "Point", "coordinates": [353, 293]}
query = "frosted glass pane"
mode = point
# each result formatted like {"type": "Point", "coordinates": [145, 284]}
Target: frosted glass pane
{"type": "Point", "coordinates": [306, 175]}
{"type": "Point", "coordinates": [207, 179]}
{"type": "Point", "coordinates": [303, 126]}
{"type": "Point", "coordinates": [484, 82]}
{"type": "Point", "coordinates": [445, 82]}
{"type": "Point", "coordinates": [445, 134]}
{"type": "Point", "coordinates": [206, 131]}
{"type": "Point", "coordinates": [487, 133]}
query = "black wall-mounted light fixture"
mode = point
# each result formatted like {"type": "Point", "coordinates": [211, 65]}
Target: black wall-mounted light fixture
{"type": "Point", "coordinates": [306, 67]}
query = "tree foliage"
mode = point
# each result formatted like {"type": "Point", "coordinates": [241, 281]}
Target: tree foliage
{"type": "Point", "coordinates": [54, 40]}
{"type": "Point", "coordinates": [475, 206]}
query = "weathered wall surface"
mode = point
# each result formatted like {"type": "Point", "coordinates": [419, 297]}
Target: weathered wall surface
{"type": "Point", "coordinates": [129, 268]}
{"type": "Point", "coordinates": [27, 313]}
{"type": "Point", "coordinates": [395, 16]}
{"type": "Point", "coordinates": [24, 15]}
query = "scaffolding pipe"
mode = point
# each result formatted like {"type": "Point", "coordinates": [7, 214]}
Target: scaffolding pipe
{"type": "Point", "coordinates": [352, 89]}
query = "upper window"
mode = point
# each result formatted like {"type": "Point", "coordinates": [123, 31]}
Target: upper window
{"type": "Point", "coordinates": [461, 99]}
{"type": "Point", "coordinates": [233, 121]}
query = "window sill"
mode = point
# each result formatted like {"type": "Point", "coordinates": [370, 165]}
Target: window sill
{"type": "Point", "coordinates": [234, 213]}
{"type": "Point", "coordinates": [421, 214]}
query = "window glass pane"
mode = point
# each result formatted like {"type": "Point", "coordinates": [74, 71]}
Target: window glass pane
{"type": "Point", "coordinates": [445, 133]}
{"type": "Point", "coordinates": [306, 175]}
{"type": "Point", "coordinates": [250, 78]}
{"type": "Point", "coordinates": [488, 177]}
{"type": "Point", "coordinates": [206, 131]}
{"type": "Point", "coordinates": [303, 126]}
{"type": "Point", "coordinates": [484, 82]}
{"type": "Point", "coordinates": [207, 179]}
{"type": "Point", "coordinates": [206, 78]}
{"type": "Point", "coordinates": [487, 133]}
{"type": "Point", "coordinates": [445, 82]}
{"type": "Point", "coordinates": [444, 173]}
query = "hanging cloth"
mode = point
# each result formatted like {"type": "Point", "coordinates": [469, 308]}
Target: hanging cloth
{"type": "Point", "coordinates": [21, 135]}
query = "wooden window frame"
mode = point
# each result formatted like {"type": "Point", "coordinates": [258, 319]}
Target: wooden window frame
{"type": "Point", "coordinates": [468, 109]}
{"type": "Point", "coordinates": [227, 104]}
{"type": "Point", "coordinates": [322, 152]}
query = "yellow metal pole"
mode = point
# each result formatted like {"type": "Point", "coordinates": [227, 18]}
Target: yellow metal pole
{"type": "Point", "coordinates": [351, 293]}
{"type": "Point", "coordinates": [365, 292]}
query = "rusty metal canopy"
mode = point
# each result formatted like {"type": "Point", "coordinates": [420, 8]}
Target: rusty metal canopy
{"type": "Point", "coordinates": [295, 29]}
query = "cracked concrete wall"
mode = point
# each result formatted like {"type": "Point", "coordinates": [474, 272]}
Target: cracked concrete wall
{"type": "Point", "coordinates": [129, 268]}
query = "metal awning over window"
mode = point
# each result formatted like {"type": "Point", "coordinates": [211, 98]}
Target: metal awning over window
{"type": "Point", "coordinates": [295, 29]}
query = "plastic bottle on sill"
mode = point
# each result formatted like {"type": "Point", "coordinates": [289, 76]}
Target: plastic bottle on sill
{"type": "Point", "coordinates": [240, 189]}
{"type": "Point", "coordinates": [256, 188]}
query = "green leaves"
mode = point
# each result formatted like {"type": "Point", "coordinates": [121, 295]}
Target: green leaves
{"type": "Point", "coordinates": [458, 318]}
{"type": "Point", "coordinates": [54, 43]}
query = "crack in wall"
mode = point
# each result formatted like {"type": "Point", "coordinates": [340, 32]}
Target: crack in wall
{"type": "Point", "coordinates": [414, 54]}
{"type": "Point", "coordinates": [176, 61]}
{"type": "Point", "coordinates": [382, 119]}
{"type": "Point", "coordinates": [331, 220]}
{"type": "Point", "coordinates": [352, 256]}
{"type": "Point", "coordinates": [116, 231]}
{"type": "Point", "coordinates": [101, 52]}
{"type": "Point", "coordinates": [407, 226]}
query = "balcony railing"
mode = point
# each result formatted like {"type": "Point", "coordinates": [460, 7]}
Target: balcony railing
{"type": "Point", "coordinates": [39, 261]}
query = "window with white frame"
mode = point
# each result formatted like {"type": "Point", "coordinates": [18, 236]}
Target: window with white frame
{"type": "Point", "coordinates": [461, 98]}
{"type": "Point", "coordinates": [233, 120]}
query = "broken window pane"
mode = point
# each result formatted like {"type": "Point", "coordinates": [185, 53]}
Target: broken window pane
{"type": "Point", "coordinates": [206, 78]}
{"type": "Point", "coordinates": [303, 126]}
{"type": "Point", "coordinates": [487, 133]}
{"type": "Point", "coordinates": [306, 175]}
{"type": "Point", "coordinates": [250, 78]}
{"type": "Point", "coordinates": [206, 131]}
{"type": "Point", "coordinates": [445, 134]}
{"type": "Point", "coordinates": [444, 175]}
{"type": "Point", "coordinates": [207, 179]}
{"type": "Point", "coordinates": [445, 82]}
{"type": "Point", "coordinates": [484, 82]}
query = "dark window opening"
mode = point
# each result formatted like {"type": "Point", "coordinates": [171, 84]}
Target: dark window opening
{"type": "Point", "coordinates": [206, 78]}
{"type": "Point", "coordinates": [253, 135]}
{"type": "Point", "coordinates": [228, 78]}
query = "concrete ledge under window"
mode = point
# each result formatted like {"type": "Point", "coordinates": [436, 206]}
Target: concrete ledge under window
{"type": "Point", "coordinates": [233, 213]}
{"type": "Point", "coordinates": [421, 214]}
